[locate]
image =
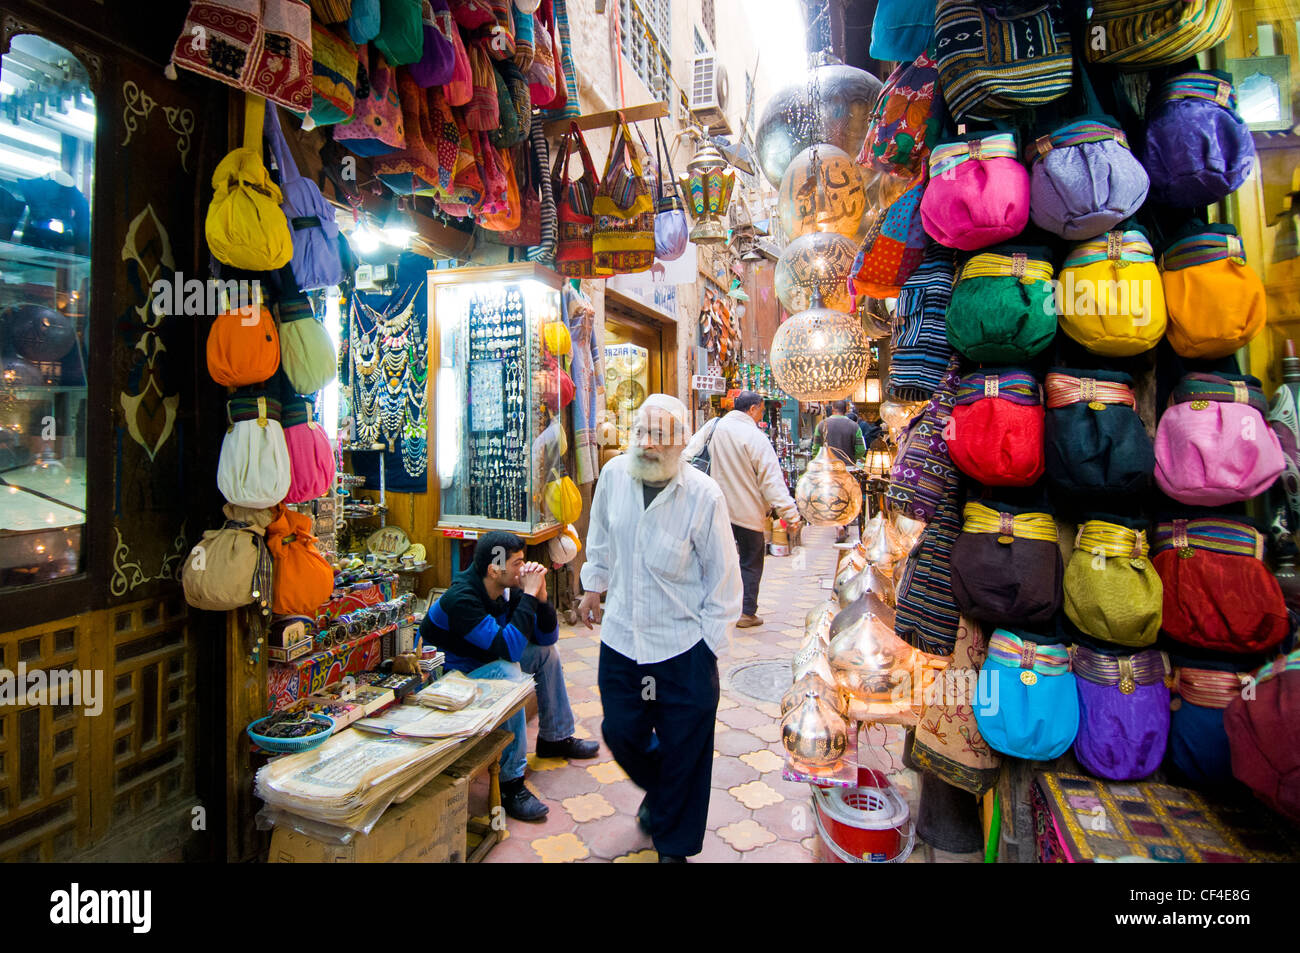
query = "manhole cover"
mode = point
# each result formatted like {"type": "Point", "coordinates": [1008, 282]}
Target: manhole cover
{"type": "Point", "coordinates": [763, 681]}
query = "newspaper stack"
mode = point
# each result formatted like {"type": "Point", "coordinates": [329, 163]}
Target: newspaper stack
{"type": "Point", "coordinates": [493, 699]}
{"type": "Point", "coordinates": [452, 692]}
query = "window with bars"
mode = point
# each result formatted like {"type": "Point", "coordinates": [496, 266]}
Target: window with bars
{"type": "Point", "coordinates": [700, 45]}
{"type": "Point", "coordinates": [706, 14]}
{"type": "Point", "coordinates": [645, 30]}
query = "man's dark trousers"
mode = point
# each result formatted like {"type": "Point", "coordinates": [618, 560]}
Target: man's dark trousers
{"type": "Point", "coordinates": [658, 724]}
{"type": "Point", "coordinates": [751, 544]}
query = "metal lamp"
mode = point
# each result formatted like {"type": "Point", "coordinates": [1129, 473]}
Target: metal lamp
{"type": "Point", "coordinates": [707, 184]}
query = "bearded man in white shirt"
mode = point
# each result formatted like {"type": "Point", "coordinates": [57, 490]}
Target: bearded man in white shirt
{"type": "Point", "coordinates": [659, 545]}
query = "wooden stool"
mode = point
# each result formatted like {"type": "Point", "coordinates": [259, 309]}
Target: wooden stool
{"type": "Point", "coordinates": [484, 755]}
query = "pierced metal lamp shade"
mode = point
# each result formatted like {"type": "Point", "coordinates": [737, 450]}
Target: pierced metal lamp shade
{"type": "Point", "coordinates": [827, 494]}
{"type": "Point", "coordinates": [820, 354]}
{"type": "Point", "coordinates": [818, 263]}
{"type": "Point", "coordinates": [822, 191]}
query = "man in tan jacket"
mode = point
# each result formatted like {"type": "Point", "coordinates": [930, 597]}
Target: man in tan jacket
{"type": "Point", "coordinates": [744, 464]}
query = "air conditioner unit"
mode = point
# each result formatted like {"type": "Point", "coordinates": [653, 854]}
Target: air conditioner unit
{"type": "Point", "coordinates": [709, 94]}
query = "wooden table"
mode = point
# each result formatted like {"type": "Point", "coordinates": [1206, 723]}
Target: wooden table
{"type": "Point", "coordinates": [485, 755]}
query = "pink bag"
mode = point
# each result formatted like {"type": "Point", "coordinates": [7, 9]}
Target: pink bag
{"type": "Point", "coordinates": [978, 193]}
{"type": "Point", "coordinates": [311, 458]}
{"type": "Point", "coordinates": [1212, 444]}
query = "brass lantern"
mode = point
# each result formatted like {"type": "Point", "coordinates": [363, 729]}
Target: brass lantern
{"type": "Point", "coordinates": [707, 184]}
{"type": "Point", "coordinates": [820, 354]}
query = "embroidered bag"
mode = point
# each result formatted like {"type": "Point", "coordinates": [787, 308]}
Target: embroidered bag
{"type": "Point", "coordinates": [242, 352]}
{"type": "Point", "coordinates": [1216, 302]}
{"type": "Point", "coordinates": [1212, 444]}
{"type": "Point", "coordinates": [905, 120]}
{"type": "Point", "coordinates": [573, 202]}
{"type": "Point", "coordinates": [1111, 298]}
{"type": "Point", "coordinates": [230, 567]}
{"type": "Point", "coordinates": [996, 435]}
{"type": "Point", "coordinates": [1003, 307]}
{"type": "Point", "coordinates": [253, 468]}
{"type": "Point", "coordinates": [1197, 150]}
{"type": "Point", "coordinates": [415, 167]}
{"type": "Point", "coordinates": [978, 193]}
{"type": "Point", "coordinates": [919, 351]}
{"type": "Point", "coordinates": [514, 106]}
{"type": "Point", "coordinates": [922, 470]}
{"type": "Point", "coordinates": [315, 261]}
{"type": "Point", "coordinates": [245, 227]}
{"type": "Point", "coordinates": [1112, 592]}
{"type": "Point", "coordinates": [1006, 565]}
{"type": "Point", "coordinates": [510, 217]}
{"type": "Point", "coordinates": [1145, 33]}
{"type": "Point", "coordinates": [1264, 736]}
{"type": "Point", "coordinates": [1032, 708]}
{"type": "Point", "coordinates": [1095, 446]}
{"type": "Point", "coordinates": [893, 247]}
{"type": "Point", "coordinates": [541, 75]}
{"type": "Point", "coordinates": [377, 127]}
{"type": "Point", "coordinates": [334, 76]}
{"type": "Point", "coordinates": [1123, 712]}
{"type": "Point", "coordinates": [623, 231]}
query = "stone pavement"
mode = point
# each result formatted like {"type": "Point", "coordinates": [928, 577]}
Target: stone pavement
{"type": "Point", "coordinates": [754, 815]}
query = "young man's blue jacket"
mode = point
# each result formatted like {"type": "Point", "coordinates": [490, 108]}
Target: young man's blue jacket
{"type": "Point", "coordinates": [472, 629]}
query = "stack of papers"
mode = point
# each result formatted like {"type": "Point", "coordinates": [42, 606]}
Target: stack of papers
{"type": "Point", "coordinates": [494, 697]}
{"type": "Point", "coordinates": [452, 692]}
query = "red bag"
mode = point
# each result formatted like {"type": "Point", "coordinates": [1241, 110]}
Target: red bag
{"type": "Point", "coordinates": [573, 199]}
{"type": "Point", "coordinates": [508, 219]}
{"type": "Point", "coordinates": [1264, 736]}
{"type": "Point", "coordinates": [496, 190]}
{"type": "Point", "coordinates": [996, 433]}
{"type": "Point", "coordinates": [546, 21]}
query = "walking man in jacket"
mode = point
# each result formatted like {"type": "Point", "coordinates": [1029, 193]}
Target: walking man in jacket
{"type": "Point", "coordinates": [659, 547]}
{"type": "Point", "coordinates": [743, 462]}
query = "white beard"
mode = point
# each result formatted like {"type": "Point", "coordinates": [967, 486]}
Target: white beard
{"type": "Point", "coordinates": [653, 471]}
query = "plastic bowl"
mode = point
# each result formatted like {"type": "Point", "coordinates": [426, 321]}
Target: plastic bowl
{"type": "Point", "coordinates": [291, 745]}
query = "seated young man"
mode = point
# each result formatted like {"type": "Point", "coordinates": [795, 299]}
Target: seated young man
{"type": "Point", "coordinates": [486, 634]}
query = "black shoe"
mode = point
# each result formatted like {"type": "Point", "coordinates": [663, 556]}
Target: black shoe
{"type": "Point", "coordinates": [643, 815]}
{"type": "Point", "coordinates": [570, 747]}
{"type": "Point", "coordinates": [671, 859]}
{"type": "Point", "coordinates": [520, 803]}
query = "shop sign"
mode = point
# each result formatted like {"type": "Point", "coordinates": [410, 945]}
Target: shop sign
{"type": "Point", "coordinates": [460, 533]}
{"type": "Point", "coordinates": [708, 384]}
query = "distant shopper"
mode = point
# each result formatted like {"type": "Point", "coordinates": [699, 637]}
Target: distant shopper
{"type": "Point", "coordinates": [495, 622]}
{"type": "Point", "coordinates": [872, 428]}
{"type": "Point", "coordinates": [745, 465]}
{"type": "Point", "coordinates": [659, 546]}
{"type": "Point", "coordinates": [844, 439]}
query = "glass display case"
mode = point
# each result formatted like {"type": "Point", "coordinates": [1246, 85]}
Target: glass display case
{"type": "Point", "coordinates": [47, 132]}
{"type": "Point", "coordinates": [627, 384]}
{"type": "Point", "coordinates": [500, 389]}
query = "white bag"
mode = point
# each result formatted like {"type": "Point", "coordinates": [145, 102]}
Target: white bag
{"type": "Point", "coordinates": [254, 467]}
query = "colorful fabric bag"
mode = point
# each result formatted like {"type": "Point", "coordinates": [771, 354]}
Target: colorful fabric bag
{"type": "Point", "coordinates": [364, 21]}
{"type": "Point", "coordinates": [1199, 749]}
{"type": "Point", "coordinates": [1003, 307]}
{"type": "Point", "coordinates": [672, 231]}
{"type": "Point", "coordinates": [1112, 592]}
{"type": "Point", "coordinates": [623, 233]}
{"type": "Point", "coordinates": [315, 261]}
{"type": "Point", "coordinates": [514, 106]}
{"type": "Point", "coordinates": [306, 352]}
{"type": "Point", "coordinates": [377, 127]}
{"type": "Point", "coordinates": [1264, 736]}
{"type": "Point", "coordinates": [334, 76]}
{"type": "Point", "coordinates": [574, 257]}
{"type": "Point", "coordinates": [995, 60]}
{"type": "Point", "coordinates": [905, 120]}
{"type": "Point", "coordinates": [331, 11]}
{"type": "Point", "coordinates": [311, 458]}
{"type": "Point", "coordinates": [919, 351]}
{"type": "Point", "coordinates": [437, 61]}
{"type": "Point", "coordinates": [524, 49]}
{"type": "Point", "coordinates": [1096, 445]}
{"type": "Point", "coordinates": [1218, 594]}
{"type": "Point", "coordinates": [1197, 150]}
{"type": "Point", "coordinates": [304, 581]}
{"type": "Point", "coordinates": [230, 567]}
{"type": "Point", "coordinates": [893, 247]}
{"type": "Point", "coordinates": [1032, 709]}
{"type": "Point", "coordinates": [1212, 444]}
{"type": "Point", "coordinates": [1216, 301]}
{"type": "Point", "coordinates": [922, 470]}
{"type": "Point", "coordinates": [541, 75]}
{"type": "Point", "coordinates": [926, 614]}
{"type": "Point", "coordinates": [978, 194]}
{"type": "Point", "coordinates": [401, 31]}
{"type": "Point", "coordinates": [253, 469]}
{"type": "Point", "coordinates": [509, 217]}
{"type": "Point", "coordinates": [1006, 565]}
{"type": "Point", "coordinates": [1145, 33]}
{"type": "Point", "coordinates": [545, 248]}
{"type": "Point", "coordinates": [1083, 180]}
{"type": "Point", "coordinates": [1111, 299]}
{"type": "Point", "coordinates": [242, 352]}
{"type": "Point", "coordinates": [996, 435]}
{"type": "Point", "coordinates": [245, 227]}
{"type": "Point", "coordinates": [482, 112]}
{"type": "Point", "coordinates": [460, 88]}
{"type": "Point", "coordinates": [901, 30]}
{"type": "Point", "coordinates": [413, 168]}
{"type": "Point", "coordinates": [472, 14]}
{"type": "Point", "coordinates": [527, 230]}
{"type": "Point", "coordinates": [1123, 712]}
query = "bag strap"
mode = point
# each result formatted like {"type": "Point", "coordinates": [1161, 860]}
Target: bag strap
{"type": "Point", "coordinates": [280, 148]}
{"type": "Point", "coordinates": [254, 117]}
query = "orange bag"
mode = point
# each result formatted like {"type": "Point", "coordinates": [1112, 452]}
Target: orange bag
{"type": "Point", "coordinates": [303, 581]}
{"type": "Point", "coordinates": [509, 219]}
{"type": "Point", "coordinates": [243, 351]}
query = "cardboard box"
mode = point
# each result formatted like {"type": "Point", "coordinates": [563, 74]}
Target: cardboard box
{"type": "Point", "coordinates": [429, 828]}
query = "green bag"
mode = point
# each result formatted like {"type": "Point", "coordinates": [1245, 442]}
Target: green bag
{"type": "Point", "coordinates": [1112, 591]}
{"type": "Point", "coordinates": [1003, 308]}
{"type": "Point", "coordinates": [401, 31]}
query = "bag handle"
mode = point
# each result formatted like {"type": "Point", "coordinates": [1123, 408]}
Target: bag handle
{"type": "Point", "coordinates": [661, 149]}
{"type": "Point", "coordinates": [280, 148]}
{"type": "Point", "coordinates": [254, 117]}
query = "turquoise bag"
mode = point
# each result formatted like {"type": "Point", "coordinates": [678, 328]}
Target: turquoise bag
{"type": "Point", "coordinates": [1028, 700]}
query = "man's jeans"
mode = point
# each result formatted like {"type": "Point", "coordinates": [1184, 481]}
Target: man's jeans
{"type": "Point", "coordinates": [554, 716]}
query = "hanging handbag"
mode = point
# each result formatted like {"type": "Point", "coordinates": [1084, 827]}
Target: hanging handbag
{"type": "Point", "coordinates": [496, 190]}
{"type": "Point", "coordinates": [1006, 565]}
{"type": "Point", "coordinates": [230, 567]}
{"type": "Point", "coordinates": [501, 35]}
{"type": "Point", "coordinates": [563, 501]}
{"type": "Point", "coordinates": [997, 59]}
{"type": "Point", "coordinates": [482, 112]}
{"type": "Point", "coordinates": [573, 203]}
{"type": "Point", "coordinates": [926, 614]}
{"type": "Point", "coordinates": [311, 458]}
{"type": "Point", "coordinates": [1140, 34]}
{"type": "Point", "coordinates": [623, 234]}
{"type": "Point", "coordinates": [1111, 298]}
{"type": "Point", "coordinates": [245, 227]}
{"type": "Point", "coordinates": [303, 580]}
{"type": "Point", "coordinates": [893, 247]}
{"type": "Point", "coordinates": [524, 50]}
{"type": "Point", "coordinates": [306, 352]}
{"type": "Point", "coordinates": [413, 168]}
{"type": "Point", "coordinates": [1032, 706]}
{"type": "Point", "coordinates": [253, 468]}
{"type": "Point", "coordinates": [996, 435]}
{"type": "Point", "coordinates": [545, 249]}
{"type": "Point", "coordinates": [437, 62]}
{"type": "Point", "coordinates": [1264, 736]}
{"type": "Point", "coordinates": [1112, 591]}
{"type": "Point", "coordinates": [510, 217]}
{"type": "Point", "coordinates": [241, 352]}
{"type": "Point", "coordinates": [334, 76]}
{"type": "Point", "coordinates": [1123, 712]}
{"type": "Point", "coordinates": [513, 106]}
{"type": "Point", "coordinates": [901, 30]}
{"type": "Point", "coordinates": [1216, 302]}
{"type": "Point", "coordinates": [919, 351]}
{"type": "Point", "coordinates": [1198, 751]}
{"type": "Point", "coordinates": [401, 31]}
{"type": "Point", "coordinates": [541, 74]}
{"type": "Point", "coordinates": [364, 21]}
{"type": "Point", "coordinates": [315, 232]}
{"type": "Point", "coordinates": [672, 231]}
{"type": "Point", "coordinates": [1096, 446]}
{"type": "Point", "coordinates": [1003, 307]}
{"type": "Point", "coordinates": [377, 127]}
{"type": "Point", "coordinates": [472, 14]}
{"type": "Point", "coordinates": [331, 11]}
{"type": "Point", "coordinates": [978, 194]}
{"type": "Point", "coordinates": [922, 471]}
{"type": "Point", "coordinates": [905, 119]}
{"type": "Point", "coordinates": [528, 230]}
{"type": "Point", "coordinates": [460, 88]}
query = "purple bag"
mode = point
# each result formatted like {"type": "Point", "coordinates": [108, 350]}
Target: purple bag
{"type": "Point", "coordinates": [1123, 712]}
{"type": "Point", "coordinates": [919, 478]}
{"type": "Point", "coordinates": [438, 61]}
{"type": "Point", "coordinates": [1083, 180]}
{"type": "Point", "coordinates": [315, 232]}
{"type": "Point", "coordinates": [1197, 150]}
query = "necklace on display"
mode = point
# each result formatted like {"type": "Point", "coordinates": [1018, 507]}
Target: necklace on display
{"type": "Point", "coordinates": [366, 379]}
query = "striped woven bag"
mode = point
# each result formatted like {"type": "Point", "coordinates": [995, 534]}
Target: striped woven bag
{"type": "Point", "coordinates": [1145, 33]}
{"type": "Point", "coordinates": [919, 351]}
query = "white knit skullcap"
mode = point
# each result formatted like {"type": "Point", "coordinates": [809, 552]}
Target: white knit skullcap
{"type": "Point", "coordinates": [670, 405]}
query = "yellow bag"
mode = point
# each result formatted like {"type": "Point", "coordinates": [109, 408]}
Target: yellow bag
{"type": "Point", "coordinates": [1110, 296]}
{"type": "Point", "coordinates": [563, 499]}
{"type": "Point", "coordinates": [556, 338]}
{"type": "Point", "coordinates": [1216, 301]}
{"type": "Point", "coordinates": [245, 226]}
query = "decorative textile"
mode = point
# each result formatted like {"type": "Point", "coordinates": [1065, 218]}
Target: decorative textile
{"type": "Point", "coordinates": [1065, 389]}
{"type": "Point", "coordinates": [982, 519]}
{"type": "Point", "coordinates": [588, 383]}
{"type": "Point", "coordinates": [892, 249]}
{"type": "Point", "coordinates": [905, 120]}
{"type": "Point", "coordinates": [564, 62]}
{"type": "Point", "coordinates": [927, 615]}
{"type": "Point", "coordinates": [1082, 820]}
{"type": "Point", "coordinates": [1150, 33]}
{"type": "Point", "coordinates": [919, 351]}
{"type": "Point", "coordinates": [919, 478]}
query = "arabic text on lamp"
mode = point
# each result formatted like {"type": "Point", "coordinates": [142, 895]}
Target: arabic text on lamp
{"type": "Point", "coordinates": [708, 185]}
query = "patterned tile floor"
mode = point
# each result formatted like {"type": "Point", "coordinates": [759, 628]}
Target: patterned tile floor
{"type": "Point", "coordinates": [754, 815]}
